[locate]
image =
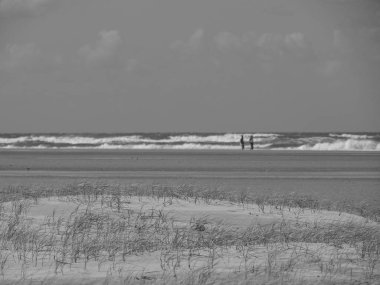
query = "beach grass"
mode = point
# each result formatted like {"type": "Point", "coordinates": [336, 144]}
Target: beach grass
{"type": "Point", "coordinates": [97, 233]}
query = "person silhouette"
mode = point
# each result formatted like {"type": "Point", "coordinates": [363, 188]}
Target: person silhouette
{"type": "Point", "coordinates": [251, 141]}
{"type": "Point", "coordinates": [242, 142]}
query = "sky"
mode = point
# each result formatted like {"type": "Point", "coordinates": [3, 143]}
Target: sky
{"type": "Point", "coordinates": [189, 66]}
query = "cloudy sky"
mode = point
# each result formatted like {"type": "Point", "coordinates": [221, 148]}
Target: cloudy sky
{"type": "Point", "coordinates": [199, 65]}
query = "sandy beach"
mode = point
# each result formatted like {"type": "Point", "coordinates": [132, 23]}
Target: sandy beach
{"type": "Point", "coordinates": [326, 175]}
{"type": "Point", "coordinates": [189, 142]}
{"type": "Point", "coordinates": [189, 217]}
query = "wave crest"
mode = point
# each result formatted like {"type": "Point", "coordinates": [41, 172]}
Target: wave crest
{"type": "Point", "coordinates": [343, 145]}
{"type": "Point", "coordinates": [270, 141]}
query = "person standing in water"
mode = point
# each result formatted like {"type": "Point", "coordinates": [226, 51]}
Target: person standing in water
{"type": "Point", "coordinates": [251, 141]}
{"type": "Point", "coordinates": [242, 142]}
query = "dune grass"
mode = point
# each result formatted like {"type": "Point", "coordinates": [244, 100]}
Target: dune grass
{"type": "Point", "coordinates": [103, 235]}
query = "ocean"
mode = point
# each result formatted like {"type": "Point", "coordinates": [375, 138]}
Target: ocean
{"type": "Point", "coordinates": [194, 141]}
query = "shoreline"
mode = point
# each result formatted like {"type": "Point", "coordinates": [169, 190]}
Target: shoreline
{"type": "Point", "coordinates": [216, 151]}
{"type": "Point", "coordinates": [327, 175]}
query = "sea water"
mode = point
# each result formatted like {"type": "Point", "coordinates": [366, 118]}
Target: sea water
{"type": "Point", "coordinates": [262, 141]}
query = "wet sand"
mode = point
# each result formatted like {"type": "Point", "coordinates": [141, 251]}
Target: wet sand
{"type": "Point", "coordinates": [327, 175]}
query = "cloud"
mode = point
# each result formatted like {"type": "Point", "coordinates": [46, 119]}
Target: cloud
{"type": "Point", "coordinates": [295, 40]}
{"type": "Point", "coordinates": [22, 7]}
{"type": "Point", "coordinates": [330, 67]}
{"type": "Point", "coordinates": [271, 43]}
{"type": "Point", "coordinates": [267, 46]}
{"type": "Point", "coordinates": [18, 55]}
{"type": "Point", "coordinates": [274, 44]}
{"type": "Point", "coordinates": [229, 55]}
{"type": "Point", "coordinates": [294, 46]}
{"type": "Point", "coordinates": [190, 46]}
{"type": "Point", "coordinates": [104, 50]}
{"type": "Point", "coordinates": [196, 39]}
{"type": "Point", "coordinates": [28, 58]}
{"type": "Point", "coordinates": [227, 41]}
{"type": "Point", "coordinates": [280, 42]}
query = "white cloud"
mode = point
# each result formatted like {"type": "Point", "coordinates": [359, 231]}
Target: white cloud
{"type": "Point", "coordinates": [295, 45]}
{"type": "Point", "coordinates": [195, 40]}
{"type": "Point", "coordinates": [227, 40]}
{"type": "Point", "coordinates": [295, 40]}
{"type": "Point", "coordinates": [269, 40]}
{"type": "Point", "coordinates": [28, 58]}
{"type": "Point", "coordinates": [17, 55]}
{"type": "Point", "coordinates": [270, 44]}
{"type": "Point", "coordinates": [330, 68]}
{"type": "Point", "coordinates": [104, 49]}
{"type": "Point", "coordinates": [243, 53]}
{"type": "Point", "coordinates": [279, 41]}
{"type": "Point", "coordinates": [192, 44]}
{"type": "Point", "coordinates": [8, 7]}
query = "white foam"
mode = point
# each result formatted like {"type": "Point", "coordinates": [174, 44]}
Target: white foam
{"type": "Point", "coordinates": [343, 145]}
{"type": "Point", "coordinates": [344, 142]}
{"type": "Point", "coordinates": [351, 136]}
{"type": "Point", "coordinates": [265, 135]}
{"type": "Point", "coordinates": [13, 140]}
{"type": "Point", "coordinates": [226, 138]}
{"type": "Point", "coordinates": [84, 140]}
{"type": "Point", "coordinates": [189, 146]}
{"type": "Point", "coordinates": [223, 138]}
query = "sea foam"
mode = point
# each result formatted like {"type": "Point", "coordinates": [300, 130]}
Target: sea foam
{"type": "Point", "coordinates": [196, 141]}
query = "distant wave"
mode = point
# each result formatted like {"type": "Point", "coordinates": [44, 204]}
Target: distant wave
{"type": "Point", "coordinates": [168, 146]}
{"type": "Point", "coordinates": [352, 136]}
{"type": "Point", "coordinates": [343, 145]}
{"type": "Point", "coordinates": [117, 141]}
{"type": "Point", "coordinates": [74, 139]}
{"type": "Point", "coordinates": [198, 141]}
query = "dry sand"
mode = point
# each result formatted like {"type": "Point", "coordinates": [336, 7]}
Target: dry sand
{"type": "Point", "coordinates": [229, 262]}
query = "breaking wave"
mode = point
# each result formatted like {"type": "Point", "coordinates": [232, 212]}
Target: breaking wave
{"type": "Point", "coordinates": [196, 141]}
{"type": "Point", "coordinates": [353, 136]}
{"type": "Point", "coordinates": [185, 146]}
{"type": "Point", "coordinates": [344, 145]}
